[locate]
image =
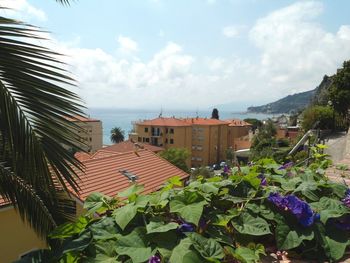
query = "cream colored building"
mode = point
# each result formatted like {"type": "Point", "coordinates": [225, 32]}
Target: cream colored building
{"type": "Point", "coordinates": [91, 134]}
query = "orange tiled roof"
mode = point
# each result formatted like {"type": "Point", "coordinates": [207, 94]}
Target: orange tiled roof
{"type": "Point", "coordinates": [4, 202]}
{"type": "Point", "coordinates": [103, 174]}
{"type": "Point", "coordinates": [102, 154]}
{"type": "Point", "coordinates": [79, 118]}
{"type": "Point", "coordinates": [204, 121]}
{"type": "Point", "coordinates": [237, 122]}
{"type": "Point", "coordinates": [165, 121]}
{"type": "Point", "coordinates": [82, 156]}
{"type": "Point", "coordinates": [128, 146]}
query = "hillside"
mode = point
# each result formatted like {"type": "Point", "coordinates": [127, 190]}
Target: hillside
{"type": "Point", "coordinates": [295, 102]}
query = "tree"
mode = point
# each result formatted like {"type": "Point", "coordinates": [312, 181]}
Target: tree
{"type": "Point", "coordinates": [215, 114]}
{"type": "Point", "coordinates": [177, 156]}
{"type": "Point", "coordinates": [340, 89]}
{"type": "Point", "coordinates": [264, 141]}
{"type": "Point", "coordinates": [117, 135]}
{"type": "Point", "coordinates": [256, 124]}
{"type": "Point", "coordinates": [322, 114]}
{"type": "Point", "coordinates": [35, 167]}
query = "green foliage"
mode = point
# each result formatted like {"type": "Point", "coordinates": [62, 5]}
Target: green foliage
{"type": "Point", "coordinates": [202, 172]}
{"type": "Point", "coordinates": [256, 124]}
{"type": "Point", "coordinates": [213, 220]}
{"type": "Point", "coordinates": [264, 142]}
{"type": "Point", "coordinates": [176, 156]}
{"type": "Point", "coordinates": [322, 114]}
{"type": "Point", "coordinates": [117, 135]}
{"type": "Point", "coordinates": [340, 89]}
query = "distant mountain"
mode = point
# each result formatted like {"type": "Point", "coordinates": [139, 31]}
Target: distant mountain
{"type": "Point", "coordinates": [296, 102]}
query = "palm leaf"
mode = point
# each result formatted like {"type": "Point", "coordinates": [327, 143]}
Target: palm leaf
{"type": "Point", "coordinates": [34, 129]}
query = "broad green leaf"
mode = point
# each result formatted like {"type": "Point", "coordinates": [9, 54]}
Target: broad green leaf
{"type": "Point", "coordinates": [78, 244]}
{"type": "Point", "coordinates": [329, 208]}
{"type": "Point", "coordinates": [333, 240]}
{"type": "Point", "coordinates": [104, 229]}
{"type": "Point", "coordinates": [191, 212]}
{"type": "Point", "coordinates": [70, 229]}
{"type": "Point", "coordinates": [106, 247]}
{"type": "Point", "coordinates": [134, 245]}
{"type": "Point", "coordinates": [159, 227]}
{"type": "Point", "coordinates": [132, 190]}
{"type": "Point", "coordinates": [125, 214]}
{"type": "Point", "coordinates": [206, 187]}
{"type": "Point", "coordinates": [182, 253]}
{"type": "Point", "coordinates": [246, 255]}
{"type": "Point", "coordinates": [289, 237]}
{"type": "Point", "coordinates": [251, 225]}
{"type": "Point", "coordinates": [100, 258]}
{"type": "Point", "coordinates": [207, 247]}
{"type": "Point", "coordinates": [253, 179]}
{"type": "Point", "coordinates": [95, 203]}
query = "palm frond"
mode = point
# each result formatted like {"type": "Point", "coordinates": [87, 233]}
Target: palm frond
{"type": "Point", "coordinates": [33, 110]}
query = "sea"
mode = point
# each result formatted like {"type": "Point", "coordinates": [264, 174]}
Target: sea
{"type": "Point", "coordinates": [123, 118]}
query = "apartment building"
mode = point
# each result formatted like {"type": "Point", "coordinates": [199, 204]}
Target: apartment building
{"type": "Point", "coordinates": [209, 141]}
{"type": "Point", "coordinates": [239, 134]}
{"type": "Point", "coordinates": [206, 139]}
{"type": "Point", "coordinates": [164, 132]}
{"type": "Point", "coordinates": [91, 133]}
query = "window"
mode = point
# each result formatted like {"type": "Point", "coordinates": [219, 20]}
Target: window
{"type": "Point", "coordinates": [139, 139]}
{"type": "Point", "coordinates": [147, 139]}
{"type": "Point", "coordinates": [193, 158]}
{"type": "Point", "coordinates": [171, 130]}
{"type": "Point", "coordinates": [171, 141]}
{"type": "Point", "coordinates": [166, 130]}
{"type": "Point", "coordinates": [90, 139]}
{"type": "Point", "coordinates": [166, 140]}
{"type": "Point", "coordinates": [146, 129]}
{"type": "Point", "coordinates": [143, 139]}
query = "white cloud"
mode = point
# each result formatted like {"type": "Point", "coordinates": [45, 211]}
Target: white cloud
{"type": "Point", "coordinates": [233, 30]}
{"type": "Point", "coordinates": [295, 53]}
{"type": "Point", "coordinates": [295, 50]}
{"type": "Point", "coordinates": [127, 45]}
{"type": "Point", "coordinates": [21, 9]}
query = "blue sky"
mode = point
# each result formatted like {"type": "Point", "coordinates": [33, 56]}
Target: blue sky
{"type": "Point", "coordinates": [193, 54]}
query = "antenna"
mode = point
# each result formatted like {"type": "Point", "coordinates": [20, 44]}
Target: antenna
{"type": "Point", "coordinates": [161, 112]}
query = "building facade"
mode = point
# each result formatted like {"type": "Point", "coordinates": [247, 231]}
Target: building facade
{"type": "Point", "coordinates": [90, 134]}
{"type": "Point", "coordinates": [206, 139]}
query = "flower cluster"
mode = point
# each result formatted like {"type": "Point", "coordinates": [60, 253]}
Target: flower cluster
{"type": "Point", "coordinates": [299, 208]}
{"type": "Point", "coordinates": [346, 200]}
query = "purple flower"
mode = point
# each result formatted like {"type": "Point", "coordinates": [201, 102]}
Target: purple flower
{"type": "Point", "coordinates": [346, 200]}
{"type": "Point", "coordinates": [286, 166]}
{"type": "Point", "coordinates": [226, 169]}
{"type": "Point", "coordinates": [186, 227]}
{"type": "Point", "coordinates": [299, 208]}
{"type": "Point", "coordinates": [278, 200]}
{"type": "Point", "coordinates": [263, 181]}
{"type": "Point", "coordinates": [154, 259]}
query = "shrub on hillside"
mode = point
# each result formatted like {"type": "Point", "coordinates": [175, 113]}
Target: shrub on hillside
{"type": "Point", "coordinates": [322, 114]}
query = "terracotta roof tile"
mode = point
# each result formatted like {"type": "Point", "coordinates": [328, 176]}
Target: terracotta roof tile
{"type": "Point", "coordinates": [164, 121]}
{"type": "Point", "coordinates": [103, 174]}
{"type": "Point", "coordinates": [237, 122]}
{"type": "Point", "coordinates": [4, 202]}
{"type": "Point", "coordinates": [128, 146]}
{"type": "Point", "coordinates": [82, 156]}
{"type": "Point", "coordinates": [79, 118]}
{"type": "Point", "coordinates": [204, 121]}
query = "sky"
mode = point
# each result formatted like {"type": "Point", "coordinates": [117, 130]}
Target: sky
{"type": "Point", "coordinates": [181, 54]}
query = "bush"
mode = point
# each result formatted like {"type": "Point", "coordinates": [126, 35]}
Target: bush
{"type": "Point", "coordinates": [177, 157]}
{"type": "Point", "coordinates": [257, 210]}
